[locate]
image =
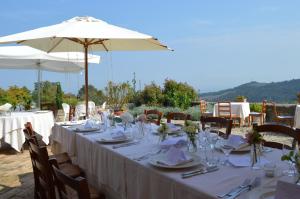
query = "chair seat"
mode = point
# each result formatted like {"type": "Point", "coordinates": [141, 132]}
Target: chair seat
{"type": "Point", "coordinates": [71, 169]}
{"type": "Point", "coordinates": [61, 158]}
{"type": "Point", "coordinates": [255, 114]}
{"type": "Point", "coordinates": [287, 117]}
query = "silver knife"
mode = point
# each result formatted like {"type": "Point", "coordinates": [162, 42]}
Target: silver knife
{"type": "Point", "coordinates": [124, 145]}
{"type": "Point", "coordinates": [202, 171]}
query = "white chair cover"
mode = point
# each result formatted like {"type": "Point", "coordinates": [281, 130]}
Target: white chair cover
{"type": "Point", "coordinates": [92, 107]}
{"type": "Point", "coordinates": [79, 111]}
{"type": "Point", "coordinates": [5, 108]}
{"type": "Point", "coordinates": [66, 109]}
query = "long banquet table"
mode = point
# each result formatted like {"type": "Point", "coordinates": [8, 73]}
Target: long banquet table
{"type": "Point", "coordinates": [115, 171]}
{"type": "Point", "coordinates": [11, 126]}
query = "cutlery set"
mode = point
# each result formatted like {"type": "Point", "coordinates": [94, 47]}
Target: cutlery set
{"type": "Point", "coordinates": [125, 144]}
{"type": "Point", "coordinates": [247, 185]}
{"type": "Point", "coordinates": [199, 171]}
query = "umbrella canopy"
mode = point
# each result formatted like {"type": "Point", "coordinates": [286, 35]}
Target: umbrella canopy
{"type": "Point", "coordinates": [83, 34]}
{"type": "Point", "coordinates": [24, 57]}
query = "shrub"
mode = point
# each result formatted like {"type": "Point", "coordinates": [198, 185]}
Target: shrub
{"type": "Point", "coordinates": [240, 98]}
{"type": "Point", "coordinates": [255, 107]}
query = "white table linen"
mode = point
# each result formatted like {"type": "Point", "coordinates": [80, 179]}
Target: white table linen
{"type": "Point", "coordinates": [122, 177]}
{"type": "Point", "coordinates": [297, 117]}
{"type": "Point", "coordinates": [11, 126]}
{"type": "Point", "coordinates": [241, 109]}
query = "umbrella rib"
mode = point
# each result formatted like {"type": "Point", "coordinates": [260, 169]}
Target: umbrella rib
{"type": "Point", "coordinates": [54, 46]}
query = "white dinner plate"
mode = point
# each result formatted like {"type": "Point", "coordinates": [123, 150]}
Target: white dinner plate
{"type": "Point", "coordinates": [86, 130]}
{"type": "Point", "coordinates": [111, 140]}
{"type": "Point", "coordinates": [155, 162]}
{"type": "Point", "coordinates": [243, 149]}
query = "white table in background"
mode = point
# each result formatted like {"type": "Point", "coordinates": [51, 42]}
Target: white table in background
{"type": "Point", "coordinates": [241, 109]}
{"type": "Point", "coordinates": [115, 171]}
{"type": "Point", "coordinates": [11, 126]}
{"type": "Point", "coordinates": [297, 117]}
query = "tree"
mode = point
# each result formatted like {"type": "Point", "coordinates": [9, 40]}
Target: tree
{"type": "Point", "coordinates": [118, 95]}
{"type": "Point", "coordinates": [95, 95]}
{"type": "Point", "coordinates": [58, 96]}
{"type": "Point", "coordinates": [3, 96]}
{"type": "Point", "coordinates": [19, 96]}
{"type": "Point", "coordinates": [178, 94]}
{"type": "Point", "coordinates": [48, 92]}
{"type": "Point", "coordinates": [152, 95]}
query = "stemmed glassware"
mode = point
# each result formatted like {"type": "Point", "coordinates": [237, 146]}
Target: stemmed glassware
{"type": "Point", "coordinates": [226, 148]}
{"type": "Point", "coordinates": [291, 170]}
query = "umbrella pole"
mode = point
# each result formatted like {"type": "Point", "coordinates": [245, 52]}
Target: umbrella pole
{"type": "Point", "coordinates": [86, 80]}
{"type": "Point", "coordinates": [39, 88]}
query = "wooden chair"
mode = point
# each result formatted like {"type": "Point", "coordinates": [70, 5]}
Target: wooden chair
{"type": "Point", "coordinates": [31, 134]}
{"type": "Point", "coordinates": [282, 118]}
{"type": "Point", "coordinates": [177, 116]}
{"type": "Point", "coordinates": [69, 187]}
{"type": "Point", "coordinates": [203, 109]}
{"type": "Point", "coordinates": [44, 184]}
{"type": "Point", "coordinates": [261, 114]}
{"type": "Point", "coordinates": [224, 110]}
{"type": "Point", "coordinates": [155, 113]}
{"type": "Point", "coordinates": [220, 122]}
{"type": "Point", "coordinates": [279, 129]}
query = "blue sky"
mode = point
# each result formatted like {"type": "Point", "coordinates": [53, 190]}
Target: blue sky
{"type": "Point", "coordinates": [218, 44]}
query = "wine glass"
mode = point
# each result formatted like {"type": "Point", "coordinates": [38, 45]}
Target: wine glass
{"type": "Point", "coordinates": [226, 148]}
{"type": "Point", "coordinates": [290, 171]}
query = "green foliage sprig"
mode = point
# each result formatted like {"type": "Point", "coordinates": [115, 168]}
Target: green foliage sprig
{"type": "Point", "coordinates": [293, 157]}
{"type": "Point", "coordinates": [163, 131]}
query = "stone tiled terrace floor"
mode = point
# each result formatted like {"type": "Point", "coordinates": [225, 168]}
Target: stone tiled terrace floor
{"type": "Point", "coordinates": [16, 177]}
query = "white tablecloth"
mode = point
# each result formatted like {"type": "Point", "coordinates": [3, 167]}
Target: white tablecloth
{"type": "Point", "coordinates": [241, 109]}
{"type": "Point", "coordinates": [297, 117]}
{"type": "Point", "coordinates": [11, 127]}
{"type": "Point", "coordinates": [116, 172]}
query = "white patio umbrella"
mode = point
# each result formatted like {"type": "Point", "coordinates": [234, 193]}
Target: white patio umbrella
{"type": "Point", "coordinates": [24, 57]}
{"type": "Point", "coordinates": [84, 34]}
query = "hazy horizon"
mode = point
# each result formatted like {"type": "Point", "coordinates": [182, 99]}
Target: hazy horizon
{"type": "Point", "coordinates": [218, 45]}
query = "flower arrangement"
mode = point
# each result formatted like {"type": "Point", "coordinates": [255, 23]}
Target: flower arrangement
{"type": "Point", "coordinates": [254, 138]}
{"type": "Point", "coordinates": [294, 157]}
{"type": "Point", "coordinates": [191, 130]}
{"type": "Point", "coordinates": [163, 131]}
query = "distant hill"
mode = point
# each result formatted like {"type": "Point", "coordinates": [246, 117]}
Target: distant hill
{"type": "Point", "coordinates": [282, 92]}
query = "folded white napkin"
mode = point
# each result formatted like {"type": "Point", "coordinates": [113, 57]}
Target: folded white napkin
{"type": "Point", "coordinates": [236, 141]}
{"type": "Point", "coordinates": [244, 160]}
{"type": "Point", "coordinates": [89, 124]}
{"type": "Point", "coordinates": [174, 157]}
{"type": "Point", "coordinates": [118, 133]}
{"type": "Point", "coordinates": [174, 141]}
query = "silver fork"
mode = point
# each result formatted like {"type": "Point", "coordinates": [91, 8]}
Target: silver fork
{"type": "Point", "coordinates": [255, 183]}
{"type": "Point", "coordinates": [236, 189]}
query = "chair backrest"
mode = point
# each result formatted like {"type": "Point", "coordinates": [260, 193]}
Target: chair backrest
{"type": "Point", "coordinates": [91, 107]}
{"type": "Point", "coordinates": [66, 108]}
{"type": "Point", "coordinates": [30, 133]}
{"type": "Point", "coordinates": [103, 106]}
{"type": "Point", "coordinates": [203, 106]}
{"type": "Point", "coordinates": [279, 129]}
{"type": "Point", "coordinates": [79, 185]}
{"type": "Point", "coordinates": [220, 122]}
{"type": "Point", "coordinates": [177, 116]}
{"type": "Point", "coordinates": [156, 113]}
{"type": "Point", "coordinates": [43, 172]}
{"type": "Point", "coordinates": [80, 110]}
{"type": "Point", "coordinates": [224, 109]}
{"type": "Point", "coordinates": [264, 106]}
{"type": "Point", "coordinates": [5, 107]}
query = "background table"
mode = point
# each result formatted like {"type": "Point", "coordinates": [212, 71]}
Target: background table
{"type": "Point", "coordinates": [241, 109]}
{"type": "Point", "coordinates": [297, 117]}
{"type": "Point", "coordinates": [115, 171]}
{"type": "Point", "coordinates": [11, 126]}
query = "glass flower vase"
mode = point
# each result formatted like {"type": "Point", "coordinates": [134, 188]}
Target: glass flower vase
{"type": "Point", "coordinates": [255, 156]}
